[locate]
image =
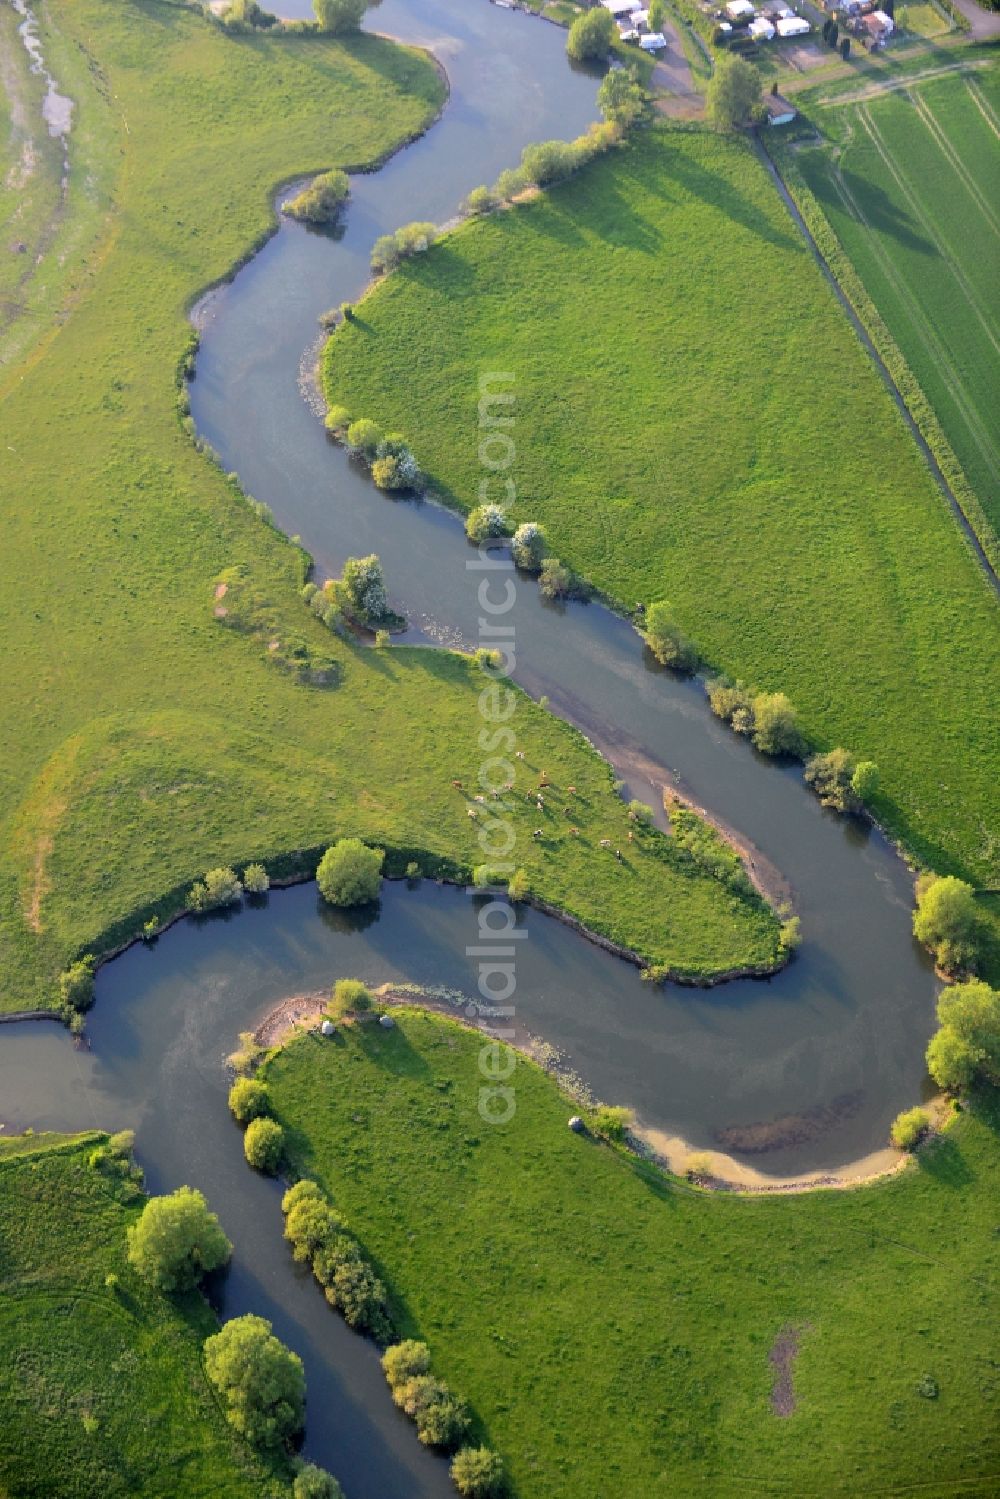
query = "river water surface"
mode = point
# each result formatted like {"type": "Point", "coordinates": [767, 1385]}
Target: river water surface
{"type": "Point", "coordinates": [831, 1048]}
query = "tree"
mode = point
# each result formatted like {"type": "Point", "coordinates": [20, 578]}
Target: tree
{"type": "Point", "coordinates": [664, 638]}
{"type": "Point", "coordinates": [255, 880]}
{"type": "Point", "coordinates": [909, 1128]}
{"type": "Point", "coordinates": [315, 1483]}
{"type": "Point", "coordinates": [612, 1121]}
{"type": "Point", "coordinates": [832, 778]}
{"type": "Point", "coordinates": [76, 984]}
{"type": "Point", "coordinates": [248, 1100]}
{"type": "Point", "coordinates": [485, 522]}
{"type": "Point", "coordinates": [547, 161]}
{"type": "Point", "coordinates": [733, 91]}
{"type": "Point", "coordinates": [657, 14]}
{"type": "Point", "coordinates": [518, 887]}
{"type": "Point", "coordinates": [952, 1060]}
{"type": "Point", "coordinates": [732, 702]}
{"type": "Point", "coordinates": [177, 1240]}
{"type": "Point", "coordinates": [217, 888]}
{"type": "Point", "coordinates": [947, 921]}
{"type": "Point", "coordinates": [364, 436]}
{"type": "Point", "coordinates": [364, 586]}
{"type": "Point", "coordinates": [321, 201]}
{"type": "Point", "coordinates": [339, 16]}
{"type": "Point", "coordinates": [260, 1382]}
{"type": "Point", "coordinates": [968, 1043]}
{"type": "Point", "coordinates": [864, 781]}
{"type": "Point", "coordinates": [477, 1473]}
{"type": "Point", "coordinates": [775, 725]}
{"type": "Point", "coordinates": [591, 35]}
{"type": "Point", "coordinates": [528, 546]}
{"type": "Point", "coordinates": [264, 1145]}
{"type": "Point", "coordinates": [351, 995]}
{"type": "Point", "coordinates": [350, 873]}
{"type": "Point", "coordinates": [405, 1361]}
{"type": "Point", "coordinates": [620, 98]}
{"type": "Point", "coordinates": [480, 200]}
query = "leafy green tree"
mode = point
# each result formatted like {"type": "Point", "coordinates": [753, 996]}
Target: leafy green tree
{"type": "Point", "coordinates": [732, 702]}
{"type": "Point", "coordinates": [480, 200]}
{"type": "Point", "coordinates": [315, 1483]}
{"type": "Point", "coordinates": [952, 1060]}
{"type": "Point", "coordinates": [547, 161]}
{"type": "Point", "coordinates": [971, 1012]}
{"type": "Point", "coordinates": [528, 546]}
{"type": "Point", "coordinates": [339, 16]}
{"type": "Point", "coordinates": [775, 725]}
{"type": "Point", "coordinates": [518, 886]}
{"type": "Point", "coordinates": [733, 92]}
{"type": "Point", "coordinates": [405, 1361]}
{"type": "Point", "coordinates": [864, 781]}
{"type": "Point", "coordinates": [364, 436]}
{"type": "Point", "coordinates": [264, 1145]}
{"type": "Point", "coordinates": [260, 1382]}
{"type": "Point", "coordinates": [351, 995]}
{"type": "Point", "coordinates": [620, 97]}
{"type": "Point", "coordinates": [176, 1240]}
{"type": "Point", "coordinates": [831, 776]}
{"type": "Point", "coordinates": [248, 1100]}
{"type": "Point", "coordinates": [510, 182]}
{"type": "Point", "coordinates": [477, 1473]}
{"type": "Point", "coordinates": [947, 921]}
{"type": "Point", "coordinates": [591, 35]}
{"type": "Point", "coordinates": [486, 522]}
{"type": "Point", "coordinates": [76, 984]}
{"type": "Point", "coordinates": [255, 880]}
{"type": "Point", "coordinates": [322, 200]}
{"type": "Point", "coordinates": [216, 889]}
{"type": "Point", "coordinates": [612, 1121]}
{"type": "Point", "coordinates": [350, 873]}
{"type": "Point", "coordinates": [909, 1128]}
{"type": "Point", "coordinates": [664, 638]}
{"type": "Point", "coordinates": [364, 587]}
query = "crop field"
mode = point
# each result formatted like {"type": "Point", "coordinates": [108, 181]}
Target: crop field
{"type": "Point", "coordinates": [101, 1387]}
{"type": "Point", "coordinates": [616, 1331]}
{"type": "Point", "coordinates": [911, 186]}
{"type": "Point", "coordinates": [143, 742]}
{"type": "Point", "coordinates": [698, 422]}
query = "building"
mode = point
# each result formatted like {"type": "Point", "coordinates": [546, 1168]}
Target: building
{"type": "Point", "coordinates": [761, 30]}
{"type": "Point", "coordinates": [779, 111]}
{"type": "Point", "coordinates": [792, 26]}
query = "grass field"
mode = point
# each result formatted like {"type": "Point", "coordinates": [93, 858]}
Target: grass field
{"type": "Point", "coordinates": [101, 1390]}
{"type": "Point", "coordinates": [613, 1329]}
{"type": "Point", "coordinates": [699, 423]}
{"type": "Point", "coordinates": [910, 184]}
{"type": "Point", "coordinates": [141, 741]}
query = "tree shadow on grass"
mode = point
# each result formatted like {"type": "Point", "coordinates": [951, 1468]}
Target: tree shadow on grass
{"type": "Point", "coordinates": [391, 1050]}
{"type": "Point", "coordinates": [721, 193]}
{"type": "Point", "coordinates": [943, 1160]}
{"type": "Point", "coordinates": [882, 214]}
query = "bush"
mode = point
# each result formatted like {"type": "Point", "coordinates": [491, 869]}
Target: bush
{"type": "Point", "coordinates": [591, 35]}
{"type": "Point", "coordinates": [246, 1056]}
{"type": "Point", "coordinates": [699, 1167]}
{"type": "Point", "coordinates": [612, 1122]}
{"type": "Point", "coordinates": [832, 778]}
{"type": "Point", "coordinates": [260, 1382]}
{"type": "Point", "coordinates": [264, 1145]}
{"type": "Point", "coordinates": [255, 880]}
{"type": "Point", "coordinates": [337, 419]}
{"type": "Point", "coordinates": [864, 781]}
{"type": "Point", "coordinates": [350, 873]}
{"type": "Point", "coordinates": [620, 97]}
{"type": "Point", "coordinates": [218, 888]}
{"type": "Point", "coordinates": [775, 725]}
{"type": "Point", "coordinates": [412, 239]}
{"type": "Point", "coordinates": [968, 1043]}
{"type": "Point", "coordinates": [413, 870]}
{"type": "Point", "coordinates": [733, 91]}
{"type": "Point", "coordinates": [176, 1240]}
{"type": "Point", "coordinates": [528, 546]}
{"type": "Point", "coordinates": [477, 1473]}
{"type": "Point", "coordinates": [556, 581]}
{"type": "Point", "coordinates": [338, 16]}
{"type": "Point", "coordinates": [909, 1128]}
{"type": "Point", "coordinates": [548, 161]}
{"type": "Point", "coordinates": [248, 1100]}
{"type": "Point", "coordinates": [364, 587]}
{"type": "Point", "coordinates": [351, 995]}
{"type": "Point", "coordinates": [485, 522]}
{"type": "Point", "coordinates": [76, 984]}
{"type": "Point", "coordinates": [301, 1191]}
{"type": "Point", "coordinates": [321, 201]}
{"type": "Point", "coordinates": [395, 466]}
{"type": "Point", "coordinates": [354, 1289]}
{"type": "Point", "coordinates": [518, 887]}
{"type": "Point", "coordinates": [405, 1361]}
{"type": "Point", "coordinates": [947, 921]}
{"type": "Point", "coordinates": [480, 200]}
{"type": "Point", "coordinates": [311, 1226]}
{"type": "Point", "coordinates": [121, 1144]}
{"type": "Point", "coordinates": [731, 702]}
{"type": "Point", "coordinates": [509, 184]}
{"type": "Point", "coordinates": [364, 436]}
{"type": "Point", "coordinates": [487, 659]}
{"type": "Point", "coordinates": [315, 1483]}
{"type": "Point", "coordinates": [247, 15]}
{"type": "Point", "coordinates": [790, 935]}
{"type": "Point", "coordinates": [441, 1418]}
{"type": "Point", "coordinates": [664, 638]}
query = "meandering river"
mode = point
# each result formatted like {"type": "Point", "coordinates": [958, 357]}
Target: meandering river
{"type": "Point", "coordinates": [831, 1048]}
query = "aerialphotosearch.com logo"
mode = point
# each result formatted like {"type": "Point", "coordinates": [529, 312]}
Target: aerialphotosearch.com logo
{"type": "Point", "coordinates": [498, 935]}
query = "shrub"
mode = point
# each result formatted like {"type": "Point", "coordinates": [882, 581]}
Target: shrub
{"type": "Point", "coordinates": [315, 1483]}
{"type": "Point", "coordinates": [321, 201]}
{"type": "Point", "coordinates": [487, 659]}
{"type": "Point", "coordinates": [612, 1122]}
{"type": "Point", "coordinates": [699, 1167]}
{"type": "Point", "coordinates": [412, 239]}
{"type": "Point", "coordinates": [909, 1128]}
{"type": "Point", "coordinates": [413, 870]}
{"type": "Point", "coordinates": [548, 161]}
{"type": "Point", "coordinates": [122, 1143]}
{"type": "Point", "coordinates": [639, 812]}
{"type": "Point", "coordinates": [509, 184]}
{"type": "Point", "coordinates": [176, 1240]}
{"type": "Point", "coordinates": [831, 776]}
{"type": "Point", "coordinates": [591, 35]}
{"type": "Point", "coordinates": [337, 419]}
{"type": "Point", "coordinates": [480, 200]}
{"type": "Point", "coordinates": [76, 984]}
{"type": "Point", "coordinates": [731, 702]}
{"type": "Point", "coordinates": [477, 1473]}
{"type": "Point", "coordinates": [395, 466]}
{"type": "Point", "coordinates": [528, 546]}
{"type": "Point", "coordinates": [218, 888]}
{"type": "Point", "coordinates": [486, 521]}
{"type": "Point", "coordinates": [364, 587]}
{"type": "Point", "coordinates": [384, 473]}
{"type": "Point", "coordinates": [311, 1227]}
{"type": "Point", "coordinates": [620, 97]}
{"type": "Point", "coordinates": [864, 781]}
{"type": "Point", "coordinates": [556, 581]}
{"type": "Point", "coordinates": [255, 880]}
{"type": "Point", "coordinates": [301, 1191]}
{"type": "Point", "coordinates": [968, 1043]}
{"type": "Point", "coordinates": [518, 887]}
{"type": "Point", "coordinates": [247, 15]}
{"type": "Point", "coordinates": [357, 1293]}
{"type": "Point", "coordinates": [248, 1100]}
{"type": "Point", "coordinates": [364, 436]}
{"type": "Point", "coordinates": [733, 91]}
{"type": "Point", "coordinates": [350, 873]}
{"type": "Point", "coordinates": [441, 1418]}
{"type": "Point", "coordinates": [260, 1382]}
{"type": "Point", "coordinates": [947, 921]}
{"type": "Point", "coordinates": [339, 16]}
{"type": "Point", "coordinates": [264, 1145]}
{"type": "Point", "coordinates": [150, 929]}
{"type": "Point", "coordinates": [775, 725]}
{"type": "Point", "coordinates": [351, 995]}
{"type": "Point", "coordinates": [405, 1361]}
{"type": "Point", "coordinates": [790, 935]}
{"type": "Point", "coordinates": [664, 638]}
{"type": "Point", "coordinates": [246, 1056]}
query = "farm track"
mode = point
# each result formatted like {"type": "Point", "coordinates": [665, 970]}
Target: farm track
{"type": "Point", "coordinates": [944, 145]}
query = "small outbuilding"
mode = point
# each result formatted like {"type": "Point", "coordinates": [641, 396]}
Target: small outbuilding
{"type": "Point", "coordinates": [761, 29]}
{"type": "Point", "coordinates": [792, 26]}
{"type": "Point", "coordinates": [779, 111]}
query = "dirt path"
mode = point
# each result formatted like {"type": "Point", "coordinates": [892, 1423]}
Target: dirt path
{"type": "Point", "coordinates": [982, 23]}
{"type": "Point", "coordinates": [671, 78]}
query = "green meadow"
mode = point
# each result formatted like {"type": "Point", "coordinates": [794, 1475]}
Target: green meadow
{"type": "Point", "coordinates": [910, 184]}
{"type": "Point", "coordinates": [101, 1387]}
{"type": "Point", "coordinates": [142, 741]}
{"type": "Point", "coordinates": [697, 422]}
{"type": "Point", "coordinates": [614, 1329]}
